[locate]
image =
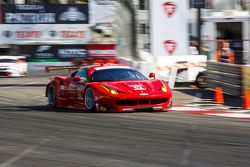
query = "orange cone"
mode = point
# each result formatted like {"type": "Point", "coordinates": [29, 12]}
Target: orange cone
{"type": "Point", "coordinates": [218, 97]}
{"type": "Point", "coordinates": [247, 100]}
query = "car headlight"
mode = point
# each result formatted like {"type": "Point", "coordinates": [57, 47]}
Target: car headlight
{"type": "Point", "coordinates": [112, 91]}
{"type": "Point", "coordinates": [163, 87]}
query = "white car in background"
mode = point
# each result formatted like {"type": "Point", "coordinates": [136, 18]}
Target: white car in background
{"type": "Point", "coordinates": [13, 66]}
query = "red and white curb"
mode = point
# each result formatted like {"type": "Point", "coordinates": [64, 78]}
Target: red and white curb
{"type": "Point", "coordinates": [242, 114]}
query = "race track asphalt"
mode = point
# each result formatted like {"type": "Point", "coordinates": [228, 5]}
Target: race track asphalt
{"type": "Point", "coordinates": [32, 135]}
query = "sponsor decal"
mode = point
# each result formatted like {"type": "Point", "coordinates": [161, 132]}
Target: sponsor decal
{"type": "Point", "coordinates": [28, 18]}
{"type": "Point", "coordinates": [43, 51]}
{"type": "Point", "coordinates": [22, 34]}
{"type": "Point", "coordinates": [7, 34]}
{"type": "Point", "coordinates": [72, 34]}
{"type": "Point", "coordinates": [43, 48]}
{"type": "Point", "coordinates": [138, 87]}
{"type": "Point", "coordinates": [69, 53]}
{"type": "Point", "coordinates": [53, 33]}
{"type": "Point", "coordinates": [68, 34]}
{"type": "Point", "coordinates": [169, 8]}
{"type": "Point", "coordinates": [72, 87]}
{"type": "Point", "coordinates": [102, 52]}
{"type": "Point", "coordinates": [72, 14]}
{"type": "Point", "coordinates": [28, 34]}
{"type": "Point", "coordinates": [170, 46]}
{"type": "Point", "coordinates": [30, 7]}
{"type": "Point", "coordinates": [45, 14]}
{"type": "Point", "coordinates": [144, 94]}
{"type": "Point", "coordinates": [60, 52]}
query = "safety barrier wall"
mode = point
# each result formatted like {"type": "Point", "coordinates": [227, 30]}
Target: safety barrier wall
{"type": "Point", "coordinates": [226, 76]}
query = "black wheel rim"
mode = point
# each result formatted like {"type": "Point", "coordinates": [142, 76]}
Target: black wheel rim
{"type": "Point", "coordinates": [51, 96]}
{"type": "Point", "coordinates": [89, 99]}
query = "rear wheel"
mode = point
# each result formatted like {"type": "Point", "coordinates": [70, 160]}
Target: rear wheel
{"type": "Point", "coordinates": [89, 100]}
{"type": "Point", "coordinates": [51, 96]}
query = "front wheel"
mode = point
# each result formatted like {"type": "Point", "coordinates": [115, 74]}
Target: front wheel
{"type": "Point", "coordinates": [51, 96]}
{"type": "Point", "coordinates": [89, 100]}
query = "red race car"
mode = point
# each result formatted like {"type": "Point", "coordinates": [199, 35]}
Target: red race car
{"type": "Point", "coordinates": [108, 88]}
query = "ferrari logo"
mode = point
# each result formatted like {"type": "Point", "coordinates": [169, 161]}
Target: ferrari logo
{"type": "Point", "coordinates": [170, 46]}
{"type": "Point", "coordinates": [169, 8]}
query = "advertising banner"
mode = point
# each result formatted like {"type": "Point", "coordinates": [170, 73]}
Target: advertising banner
{"type": "Point", "coordinates": [44, 14]}
{"type": "Point", "coordinates": [101, 50]}
{"type": "Point", "coordinates": [60, 52]}
{"type": "Point", "coordinates": [43, 33]}
{"type": "Point", "coordinates": [40, 66]}
{"type": "Point", "coordinates": [169, 27]}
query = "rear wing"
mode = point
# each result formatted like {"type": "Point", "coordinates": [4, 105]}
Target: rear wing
{"type": "Point", "coordinates": [56, 68]}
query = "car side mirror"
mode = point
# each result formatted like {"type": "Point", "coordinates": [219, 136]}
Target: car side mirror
{"type": "Point", "coordinates": [76, 78]}
{"type": "Point", "coordinates": [151, 75]}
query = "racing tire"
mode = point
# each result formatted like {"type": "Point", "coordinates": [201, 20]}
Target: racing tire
{"type": "Point", "coordinates": [201, 80]}
{"type": "Point", "coordinates": [89, 100]}
{"type": "Point", "coordinates": [51, 96]}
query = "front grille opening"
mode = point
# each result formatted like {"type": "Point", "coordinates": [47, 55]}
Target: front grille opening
{"type": "Point", "coordinates": [159, 101]}
{"type": "Point", "coordinates": [127, 102]}
{"type": "Point", "coordinates": [141, 102]}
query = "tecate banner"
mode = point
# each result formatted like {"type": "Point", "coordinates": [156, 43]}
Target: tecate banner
{"type": "Point", "coordinates": [43, 33]}
{"type": "Point", "coordinates": [169, 27]}
{"type": "Point", "coordinates": [61, 52]}
{"type": "Point", "coordinates": [44, 14]}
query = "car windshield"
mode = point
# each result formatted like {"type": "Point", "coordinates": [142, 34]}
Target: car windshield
{"type": "Point", "coordinates": [7, 61]}
{"type": "Point", "coordinates": [116, 75]}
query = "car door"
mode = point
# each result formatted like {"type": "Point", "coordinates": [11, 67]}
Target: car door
{"type": "Point", "coordinates": [70, 88]}
{"type": "Point", "coordinates": [77, 86]}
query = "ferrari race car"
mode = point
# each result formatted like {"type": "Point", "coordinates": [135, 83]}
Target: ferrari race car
{"type": "Point", "coordinates": [108, 88]}
{"type": "Point", "coordinates": [13, 66]}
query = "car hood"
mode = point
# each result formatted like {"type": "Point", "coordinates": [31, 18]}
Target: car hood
{"type": "Point", "coordinates": [145, 86]}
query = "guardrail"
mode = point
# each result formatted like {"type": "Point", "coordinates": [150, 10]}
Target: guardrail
{"type": "Point", "coordinates": [232, 79]}
{"type": "Point", "coordinates": [226, 76]}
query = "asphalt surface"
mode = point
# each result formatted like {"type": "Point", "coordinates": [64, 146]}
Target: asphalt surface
{"type": "Point", "coordinates": [32, 135]}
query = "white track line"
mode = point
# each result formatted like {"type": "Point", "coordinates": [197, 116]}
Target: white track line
{"type": "Point", "coordinates": [231, 115]}
{"type": "Point", "coordinates": [39, 97]}
{"type": "Point", "coordinates": [186, 109]}
{"type": "Point", "coordinates": [29, 83]}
